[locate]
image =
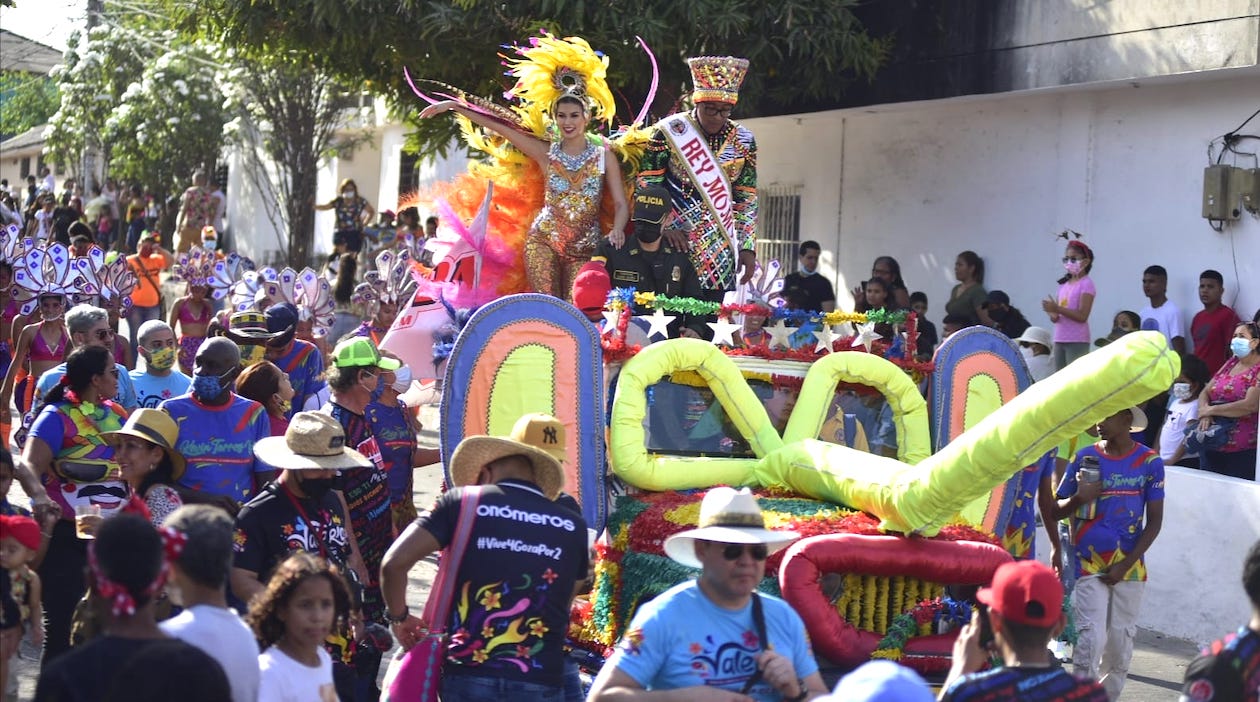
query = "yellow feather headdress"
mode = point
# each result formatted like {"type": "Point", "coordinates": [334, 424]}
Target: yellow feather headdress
{"type": "Point", "coordinates": [550, 68]}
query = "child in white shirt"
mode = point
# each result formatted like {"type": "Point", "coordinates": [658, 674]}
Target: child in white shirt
{"type": "Point", "coordinates": [1183, 412]}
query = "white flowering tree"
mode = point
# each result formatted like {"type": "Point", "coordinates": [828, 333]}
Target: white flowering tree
{"type": "Point", "coordinates": [96, 69]}
{"type": "Point", "coordinates": [144, 100]}
{"type": "Point", "coordinates": [169, 122]}
{"type": "Point", "coordinates": [286, 118]}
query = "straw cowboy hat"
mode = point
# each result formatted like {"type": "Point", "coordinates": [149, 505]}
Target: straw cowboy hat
{"type": "Point", "coordinates": [157, 428]}
{"type": "Point", "coordinates": [538, 437]}
{"type": "Point", "coordinates": [727, 516]}
{"type": "Point", "coordinates": [313, 441]}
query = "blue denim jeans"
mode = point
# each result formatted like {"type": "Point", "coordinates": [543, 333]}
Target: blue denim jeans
{"type": "Point", "coordinates": [476, 688]}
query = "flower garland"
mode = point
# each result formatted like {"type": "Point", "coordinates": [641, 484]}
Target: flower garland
{"type": "Point", "coordinates": [632, 566]}
{"type": "Point", "coordinates": [919, 621]}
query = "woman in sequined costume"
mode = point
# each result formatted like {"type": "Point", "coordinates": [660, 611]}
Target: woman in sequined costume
{"type": "Point", "coordinates": [577, 167]}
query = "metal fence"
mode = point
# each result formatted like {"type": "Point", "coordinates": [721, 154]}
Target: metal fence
{"type": "Point", "coordinates": [779, 223]}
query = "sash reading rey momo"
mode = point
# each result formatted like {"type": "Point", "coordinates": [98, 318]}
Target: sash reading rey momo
{"type": "Point", "coordinates": [706, 174]}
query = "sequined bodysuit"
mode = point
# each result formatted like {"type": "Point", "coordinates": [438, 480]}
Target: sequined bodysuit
{"type": "Point", "coordinates": [564, 235]}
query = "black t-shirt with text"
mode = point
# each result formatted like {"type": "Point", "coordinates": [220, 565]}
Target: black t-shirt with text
{"type": "Point", "coordinates": [514, 584]}
{"type": "Point", "coordinates": [90, 673]}
{"type": "Point", "coordinates": [269, 528]}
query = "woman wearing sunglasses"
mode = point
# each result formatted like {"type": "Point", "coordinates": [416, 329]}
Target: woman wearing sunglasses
{"type": "Point", "coordinates": [68, 453]}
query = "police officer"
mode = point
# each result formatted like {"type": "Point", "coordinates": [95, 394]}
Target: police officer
{"type": "Point", "coordinates": [646, 263]}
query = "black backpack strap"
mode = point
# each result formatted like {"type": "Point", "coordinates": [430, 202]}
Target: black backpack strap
{"type": "Point", "coordinates": [759, 624]}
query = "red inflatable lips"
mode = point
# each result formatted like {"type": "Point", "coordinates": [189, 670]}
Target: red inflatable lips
{"type": "Point", "coordinates": [947, 562]}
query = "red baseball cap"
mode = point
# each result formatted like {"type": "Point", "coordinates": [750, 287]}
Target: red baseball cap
{"type": "Point", "coordinates": [24, 530]}
{"type": "Point", "coordinates": [1025, 592]}
{"type": "Point", "coordinates": [590, 288]}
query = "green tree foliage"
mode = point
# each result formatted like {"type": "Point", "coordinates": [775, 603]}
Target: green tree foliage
{"type": "Point", "coordinates": [26, 100]}
{"type": "Point", "coordinates": [285, 119]}
{"type": "Point", "coordinates": [169, 123]}
{"type": "Point", "coordinates": [802, 51]}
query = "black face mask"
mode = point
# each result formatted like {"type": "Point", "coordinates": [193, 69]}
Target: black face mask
{"type": "Point", "coordinates": [646, 233]}
{"type": "Point", "coordinates": [316, 488]}
{"type": "Point", "coordinates": [997, 313]}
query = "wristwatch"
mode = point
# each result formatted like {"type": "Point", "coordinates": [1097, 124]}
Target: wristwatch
{"type": "Point", "coordinates": [401, 617]}
{"type": "Point", "coordinates": [803, 694]}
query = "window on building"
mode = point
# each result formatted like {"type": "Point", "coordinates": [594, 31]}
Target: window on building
{"type": "Point", "coordinates": [408, 174]}
{"type": "Point", "coordinates": [779, 223]}
{"type": "Point", "coordinates": [26, 166]}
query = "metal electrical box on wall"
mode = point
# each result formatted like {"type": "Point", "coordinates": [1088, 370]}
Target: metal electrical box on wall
{"type": "Point", "coordinates": [1216, 200]}
{"type": "Point", "coordinates": [1248, 187]}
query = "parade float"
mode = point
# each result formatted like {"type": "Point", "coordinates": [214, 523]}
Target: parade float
{"type": "Point", "coordinates": [893, 542]}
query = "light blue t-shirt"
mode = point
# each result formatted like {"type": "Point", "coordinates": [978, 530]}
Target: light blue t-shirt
{"type": "Point", "coordinates": [681, 639]}
{"type": "Point", "coordinates": [151, 390]}
{"type": "Point", "coordinates": [126, 391]}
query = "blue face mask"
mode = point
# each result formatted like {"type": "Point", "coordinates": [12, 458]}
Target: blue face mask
{"type": "Point", "coordinates": [208, 387]}
{"type": "Point", "coordinates": [1240, 346]}
{"type": "Point", "coordinates": [808, 271]}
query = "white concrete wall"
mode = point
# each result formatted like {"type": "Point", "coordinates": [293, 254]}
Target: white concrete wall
{"type": "Point", "coordinates": [1195, 589]}
{"type": "Point", "coordinates": [1001, 176]}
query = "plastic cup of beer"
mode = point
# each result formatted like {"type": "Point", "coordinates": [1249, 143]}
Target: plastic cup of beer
{"type": "Point", "coordinates": [86, 516]}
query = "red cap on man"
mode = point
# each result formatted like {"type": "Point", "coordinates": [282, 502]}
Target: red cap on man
{"type": "Point", "coordinates": [1025, 592]}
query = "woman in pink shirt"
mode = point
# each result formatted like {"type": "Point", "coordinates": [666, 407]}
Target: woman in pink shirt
{"type": "Point", "coordinates": [1070, 310]}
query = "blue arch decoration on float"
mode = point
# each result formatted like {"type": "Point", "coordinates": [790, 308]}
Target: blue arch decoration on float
{"type": "Point", "coordinates": [977, 370]}
{"type": "Point", "coordinates": [499, 369]}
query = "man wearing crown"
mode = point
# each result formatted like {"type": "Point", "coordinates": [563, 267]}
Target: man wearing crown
{"type": "Point", "coordinates": [709, 165]}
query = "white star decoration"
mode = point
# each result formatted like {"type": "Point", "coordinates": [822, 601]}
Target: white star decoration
{"type": "Point", "coordinates": [723, 331]}
{"type": "Point", "coordinates": [826, 337]}
{"type": "Point", "coordinates": [780, 334]}
{"type": "Point", "coordinates": [659, 322]}
{"type": "Point", "coordinates": [611, 317]}
{"type": "Point", "coordinates": [865, 335]}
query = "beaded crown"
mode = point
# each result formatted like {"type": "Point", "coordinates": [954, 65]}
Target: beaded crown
{"type": "Point", "coordinates": [717, 78]}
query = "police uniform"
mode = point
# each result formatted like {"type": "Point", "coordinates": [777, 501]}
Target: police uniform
{"type": "Point", "coordinates": [665, 271]}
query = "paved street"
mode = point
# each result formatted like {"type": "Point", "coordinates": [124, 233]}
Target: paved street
{"type": "Point", "coordinates": [1159, 663]}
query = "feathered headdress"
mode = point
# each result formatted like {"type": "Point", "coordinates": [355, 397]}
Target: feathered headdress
{"type": "Point", "coordinates": [195, 267]}
{"type": "Point", "coordinates": [42, 270]}
{"type": "Point", "coordinates": [11, 246]}
{"type": "Point", "coordinates": [227, 273]}
{"type": "Point", "coordinates": [109, 282]}
{"type": "Point", "coordinates": [310, 292]}
{"type": "Point", "coordinates": [250, 292]}
{"type": "Point", "coordinates": [391, 282]}
{"type": "Point", "coordinates": [549, 69]}
{"type": "Point", "coordinates": [765, 288]}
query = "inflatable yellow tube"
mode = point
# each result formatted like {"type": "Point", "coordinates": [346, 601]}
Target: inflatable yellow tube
{"type": "Point", "coordinates": [627, 444]}
{"type": "Point", "coordinates": [909, 409]}
{"type": "Point", "coordinates": [922, 498]}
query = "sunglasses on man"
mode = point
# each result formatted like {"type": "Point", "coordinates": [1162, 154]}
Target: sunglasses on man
{"type": "Point", "coordinates": [732, 552]}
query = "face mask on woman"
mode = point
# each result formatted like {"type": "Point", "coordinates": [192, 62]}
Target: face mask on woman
{"type": "Point", "coordinates": [1181, 391]}
{"type": "Point", "coordinates": [1240, 346]}
{"type": "Point", "coordinates": [348, 195]}
{"type": "Point", "coordinates": [1073, 267]}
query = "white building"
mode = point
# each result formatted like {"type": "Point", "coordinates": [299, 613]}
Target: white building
{"type": "Point", "coordinates": [1095, 117]}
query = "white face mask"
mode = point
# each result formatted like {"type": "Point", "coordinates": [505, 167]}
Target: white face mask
{"type": "Point", "coordinates": [1181, 391]}
{"type": "Point", "coordinates": [209, 244]}
{"type": "Point", "coordinates": [1026, 351]}
{"type": "Point", "coordinates": [349, 194]}
{"type": "Point", "coordinates": [402, 379]}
